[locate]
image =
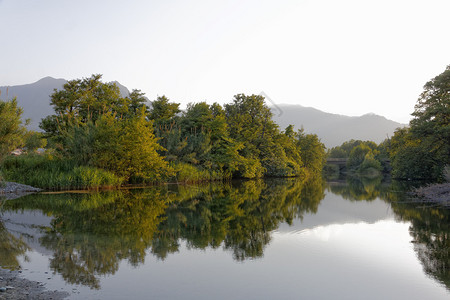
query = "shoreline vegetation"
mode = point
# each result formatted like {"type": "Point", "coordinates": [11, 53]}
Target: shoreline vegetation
{"type": "Point", "coordinates": [98, 138]}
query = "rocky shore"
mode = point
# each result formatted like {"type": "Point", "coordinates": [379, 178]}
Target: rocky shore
{"type": "Point", "coordinates": [12, 190]}
{"type": "Point", "coordinates": [435, 193]}
{"type": "Point", "coordinates": [12, 286]}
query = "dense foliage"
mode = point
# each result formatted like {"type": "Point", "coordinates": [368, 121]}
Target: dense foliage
{"type": "Point", "coordinates": [423, 150]}
{"type": "Point", "coordinates": [363, 157]}
{"type": "Point", "coordinates": [94, 126]}
{"type": "Point", "coordinates": [12, 130]}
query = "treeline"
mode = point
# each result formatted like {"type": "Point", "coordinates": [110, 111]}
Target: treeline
{"type": "Point", "coordinates": [363, 157]}
{"type": "Point", "coordinates": [420, 151]}
{"type": "Point", "coordinates": [423, 150]}
{"type": "Point", "coordinates": [97, 137]}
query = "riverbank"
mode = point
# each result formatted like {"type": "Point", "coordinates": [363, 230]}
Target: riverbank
{"type": "Point", "coordinates": [12, 190]}
{"type": "Point", "coordinates": [435, 193]}
{"type": "Point", "coordinates": [12, 286]}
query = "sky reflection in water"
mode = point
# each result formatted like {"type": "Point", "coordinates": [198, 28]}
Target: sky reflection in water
{"type": "Point", "coordinates": [234, 242]}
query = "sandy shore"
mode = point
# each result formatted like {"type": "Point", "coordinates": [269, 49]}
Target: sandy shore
{"type": "Point", "coordinates": [435, 193]}
{"type": "Point", "coordinates": [12, 286]}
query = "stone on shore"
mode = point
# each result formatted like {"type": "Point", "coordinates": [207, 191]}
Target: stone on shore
{"type": "Point", "coordinates": [436, 193]}
{"type": "Point", "coordinates": [12, 190]}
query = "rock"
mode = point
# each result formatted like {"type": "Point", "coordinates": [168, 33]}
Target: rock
{"type": "Point", "coordinates": [12, 190]}
{"type": "Point", "coordinates": [2, 289]}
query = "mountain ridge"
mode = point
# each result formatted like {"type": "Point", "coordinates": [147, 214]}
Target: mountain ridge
{"type": "Point", "coordinates": [332, 129]}
{"type": "Point", "coordinates": [34, 98]}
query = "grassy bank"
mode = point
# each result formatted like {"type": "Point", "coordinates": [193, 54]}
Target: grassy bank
{"type": "Point", "coordinates": [187, 173]}
{"type": "Point", "coordinates": [52, 173]}
{"type": "Point", "coordinates": [48, 172]}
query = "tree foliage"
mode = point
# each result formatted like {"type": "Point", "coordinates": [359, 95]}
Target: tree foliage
{"type": "Point", "coordinates": [95, 126]}
{"type": "Point", "coordinates": [423, 150]}
{"type": "Point", "coordinates": [84, 100]}
{"type": "Point", "coordinates": [12, 130]}
{"type": "Point", "coordinates": [363, 157]}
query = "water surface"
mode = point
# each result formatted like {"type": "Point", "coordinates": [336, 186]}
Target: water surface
{"type": "Point", "coordinates": [272, 239]}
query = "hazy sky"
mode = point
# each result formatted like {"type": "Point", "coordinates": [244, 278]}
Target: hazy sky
{"type": "Point", "coordinates": [349, 56]}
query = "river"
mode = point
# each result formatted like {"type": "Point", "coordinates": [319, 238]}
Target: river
{"type": "Point", "coordinates": [257, 239]}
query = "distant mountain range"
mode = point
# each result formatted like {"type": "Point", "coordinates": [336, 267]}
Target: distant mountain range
{"type": "Point", "coordinates": [332, 129]}
{"type": "Point", "coordinates": [34, 98]}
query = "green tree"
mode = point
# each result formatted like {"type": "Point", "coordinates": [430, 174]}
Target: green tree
{"type": "Point", "coordinates": [250, 122]}
{"type": "Point", "coordinates": [12, 130]}
{"type": "Point", "coordinates": [362, 158]}
{"type": "Point", "coordinates": [129, 148]}
{"type": "Point", "coordinates": [411, 158]}
{"type": "Point", "coordinates": [312, 151]}
{"type": "Point", "coordinates": [84, 100]}
{"type": "Point", "coordinates": [162, 110]}
{"type": "Point", "coordinates": [34, 140]}
{"type": "Point", "coordinates": [423, 151]}
{"type": "Point", "coordinates": [357, 155]}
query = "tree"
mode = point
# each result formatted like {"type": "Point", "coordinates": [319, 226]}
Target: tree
{"type": "Point", "coordinates": [411, 158]}
{"type": "Point", "coordinates": [423, 150]}
{"type": "Point", "coordinates": [250, 122]}
{"type": "Point", "coordinates": [128, 148]}
{"type": "Point", "coordinates": [11, 129]}
{"type": "Point", "coordinates": [95, 126]}
{"type": "Point", "coordinates": [357, 156]}
{"type": "Point", "coordinates": [34, 140]}
{"type": "Point", "coordinates": [312, 151]}
{"type": "Point", "coordinates": [162, 110]}
{"type": "Point", "coordinates": [84, 100]}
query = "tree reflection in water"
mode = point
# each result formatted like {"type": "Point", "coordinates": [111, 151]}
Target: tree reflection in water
{"type": "Point", "coordinates": [430, 226]}
{"type": "Point", "coordinates": [90, 234]}
{"type": "Point", "coordinates": [11, 248]}
{"type": "Point", "coordinates": [430, 230]}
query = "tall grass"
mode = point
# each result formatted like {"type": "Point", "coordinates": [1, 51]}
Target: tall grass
{"type": "Point", "coordinates": [188, 173]}
{"type": "Point", "coordinates": [48, 172]}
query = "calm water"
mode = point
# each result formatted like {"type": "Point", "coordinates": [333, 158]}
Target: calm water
{"type": "Point", "coordinates": [274, 239]}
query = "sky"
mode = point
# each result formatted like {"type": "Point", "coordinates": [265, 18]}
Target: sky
{"type": "Point", "coordinates": [348, 57]}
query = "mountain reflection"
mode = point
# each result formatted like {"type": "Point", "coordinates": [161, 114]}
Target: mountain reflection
{"type": "Point", "coordinates": [91, 233]}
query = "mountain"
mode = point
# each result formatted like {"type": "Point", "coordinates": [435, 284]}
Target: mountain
{"type": "Point", "coordinates": [34, 98]}
{"type": "Point", "coordinates": [334, 129]}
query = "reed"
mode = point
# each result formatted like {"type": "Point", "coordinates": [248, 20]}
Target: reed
{"type": "Point", "coordinates": [48, 172]}
{"type": "Point", "coordinates": [188, 173]}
